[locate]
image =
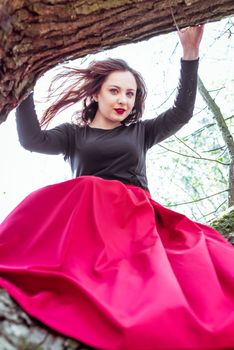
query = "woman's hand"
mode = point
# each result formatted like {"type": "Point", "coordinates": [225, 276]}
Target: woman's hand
{"type": "Point", "coordinates": [190, 39]}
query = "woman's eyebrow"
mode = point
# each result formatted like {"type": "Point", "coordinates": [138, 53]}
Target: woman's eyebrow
{"type": "Point", "coordinates": [118, 87]}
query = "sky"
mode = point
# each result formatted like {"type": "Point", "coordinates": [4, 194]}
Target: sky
{"type": "Point", "coordinates": [158, 60]}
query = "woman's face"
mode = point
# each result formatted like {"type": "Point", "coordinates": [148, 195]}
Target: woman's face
{"type": "Point", "coordinates": [116, 98]}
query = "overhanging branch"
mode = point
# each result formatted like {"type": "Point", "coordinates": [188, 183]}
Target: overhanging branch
{"type": "Point", "coordinates": [37, 35]}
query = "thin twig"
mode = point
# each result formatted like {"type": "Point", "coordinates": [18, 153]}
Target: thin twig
{"type": "Point", "coordinates": [213, 212]}
{"type": "Point", "coordinates": [206, 126]}
{"type": "Point", "coordinates": [185, 144]}
{"type": "Point", "coordinates": [174, 20]}
{"type": "Point", "coordinates": [189, 156]}
{"type": "Point", "coordinates": [167, 98]}
{"type": "Point", "coordinates": [197, 200]}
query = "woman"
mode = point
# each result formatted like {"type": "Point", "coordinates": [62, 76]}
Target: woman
{"type": "Point", "coordinates": [95, 257]}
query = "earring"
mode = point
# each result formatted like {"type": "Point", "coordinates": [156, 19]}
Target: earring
{"type": "Point", "coordinates": [93, 98]}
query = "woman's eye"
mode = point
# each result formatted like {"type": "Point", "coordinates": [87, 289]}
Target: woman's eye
{"type": "Point", "coordinates": [114, 91]}
{"type": "Point", "coordinates": [130, 94]}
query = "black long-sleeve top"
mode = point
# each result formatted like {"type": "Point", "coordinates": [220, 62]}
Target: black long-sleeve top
{"type": "Point", "coordinates": [115, 154]}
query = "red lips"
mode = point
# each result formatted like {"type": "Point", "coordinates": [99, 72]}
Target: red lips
{"type": "Point", "coordinates": [120, 110]}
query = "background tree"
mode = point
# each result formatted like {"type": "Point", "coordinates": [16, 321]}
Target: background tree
{"type": "Point", "coordinates": [226, 134]}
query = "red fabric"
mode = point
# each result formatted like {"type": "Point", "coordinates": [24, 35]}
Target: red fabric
{"type": "Point", "coordinates": [102, 262]}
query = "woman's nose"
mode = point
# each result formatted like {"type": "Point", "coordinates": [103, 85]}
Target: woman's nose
{"type": "Point", "coordinates": [122, 98]}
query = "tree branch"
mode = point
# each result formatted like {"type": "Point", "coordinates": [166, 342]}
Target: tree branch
{"type": "Point", "coordinates": [37, 35]}
{"type": "Point", "coordinates": [197, 200]}
{"type": "Point", "coordinates": [189, 156]}
{"type": "Point", "coordinates": [214, 108]}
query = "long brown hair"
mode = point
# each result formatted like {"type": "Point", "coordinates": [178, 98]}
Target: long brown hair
{"type": "Point", "coordinates": [83, 83]}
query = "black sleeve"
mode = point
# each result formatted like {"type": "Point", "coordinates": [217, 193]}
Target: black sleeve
{"type": "Point", "coordinates": [32, 138]}
{"type": "Point", "coordinates": [170, 121]}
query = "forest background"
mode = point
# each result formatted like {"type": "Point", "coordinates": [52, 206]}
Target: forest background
{"type": "Point", "coordinates": [188, 172]}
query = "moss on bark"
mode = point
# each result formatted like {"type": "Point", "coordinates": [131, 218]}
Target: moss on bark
{"type": "Point", "coordinates": [225, 224]}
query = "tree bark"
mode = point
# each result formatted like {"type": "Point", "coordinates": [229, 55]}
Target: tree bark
{"type": "Point", "coordinates": [20, 332]}
{"type": "Point", "coordinates": [37, 35]}
{"type": "Point", "coordinates": [225, 224]}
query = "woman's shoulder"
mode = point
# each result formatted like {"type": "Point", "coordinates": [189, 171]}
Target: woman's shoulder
{"type": "Point", "coordinates": [70, 127]}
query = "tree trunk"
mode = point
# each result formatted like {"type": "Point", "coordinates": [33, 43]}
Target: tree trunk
{"type": "Point", "coordinates": [37, 35]}
{"type": "Point", "coordinates": [20, 332]}
{"type": "Point", "coordinates": [231, 182]}
{"type": "Point", "coordinates": [225, 224]}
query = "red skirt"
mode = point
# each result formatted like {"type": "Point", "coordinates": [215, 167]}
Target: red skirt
{"type": "Point", "coordinates": [103, 263]}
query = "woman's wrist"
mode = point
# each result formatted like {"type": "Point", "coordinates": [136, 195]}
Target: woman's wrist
{"type": "Point", "coordinates": [191, 54]}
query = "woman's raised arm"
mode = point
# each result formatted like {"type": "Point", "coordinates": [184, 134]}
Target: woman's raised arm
{"type": "Point", "coordinates": [170, 121]}
{"type": "Point", "coordinates": [32, 138]}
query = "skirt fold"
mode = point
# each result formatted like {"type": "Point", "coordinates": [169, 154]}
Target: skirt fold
{"type": "Point", "coordinates": [123, 271]}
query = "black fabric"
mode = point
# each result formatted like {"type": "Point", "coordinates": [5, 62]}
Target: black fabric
{"type": "Point", "coordinates": [118, 153]}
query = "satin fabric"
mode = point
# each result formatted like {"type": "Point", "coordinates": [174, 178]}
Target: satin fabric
{"type": "Point", "coordinates": [100, 261]}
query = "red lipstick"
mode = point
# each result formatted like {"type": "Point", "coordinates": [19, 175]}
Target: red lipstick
{"type": "Point", "coordinates": [120, 110]}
